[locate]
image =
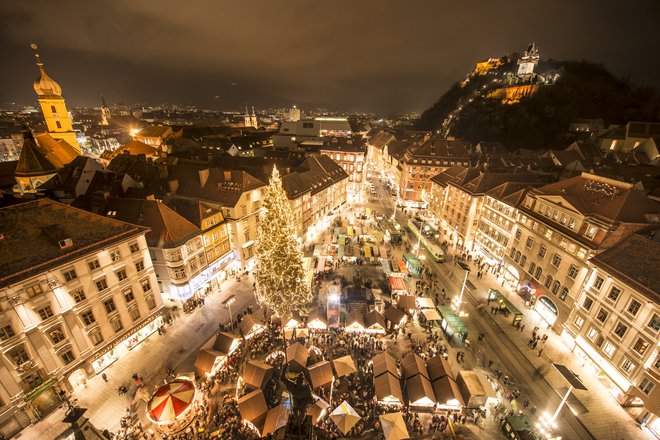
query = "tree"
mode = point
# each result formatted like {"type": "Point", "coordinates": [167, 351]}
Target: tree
{"type": "Point", "coordinates": [281, 284]}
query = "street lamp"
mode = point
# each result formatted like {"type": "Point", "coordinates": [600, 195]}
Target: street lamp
{"type": "Point", "coordinates": [228, 302]}
{"type": "Point", "coordinates": [457, 304]}
{"type": "Point", "coordinates": [547, 422]}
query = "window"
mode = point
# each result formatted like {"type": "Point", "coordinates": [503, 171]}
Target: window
{"type": "Point", "coordinates": [517, 257]}
{"type": "Point", "coordinates": [591, 231]}
{"type": "Point", "coordinates": [654, 323]}
{"type": "Point", "coordinates": [135, 313]}
{"type": "Point", "coordinates": [609, 348]}
{"type": "Point", "coordinates": [116, 324]}
{"type": "Point", "coordinates": [115, 255]}
{"type": "Point", "coordinates": [523, 261]}
{"type": "Point", "coordinates": [151, 302]}
{"type": "Point", "coordinates": [578, 321]}
{"type": "Point", "coordinates": [134, 247]}
{"type": "Point", "coordinates": [52, 109]}
{"type": "Point", "coordinates": [146, 286]}
{"type": "Point", "coordinates": [121, 275]}
{"type": "Point", "coordinates": [602, 315]}
{"type": "Point", "coordinates": [56, 335]}
{"type": "Point", "coordinates": [45, 312]}
{"type": "Point", "coordinates": [34, 290]}
{"type": "Point", "coordinates": [571, 223]}
{"type": "Point", "coordinates": [573, 271]}
{"type": "Point", "coordinates": [139, 266]}
{"type": "Point", "coordinates": [646, 385]}
{"type": "Point", "coordinates": [588, 302]}
{"type": "Point", "coordinates": [6, 332]}
{"type": "Point", "coordinates": [18, 355]}
{"type": "Point", "coordinates": [110, 306]}
{"type": "Point", "coordinates": [634, 307]}
{"type": "Point", "coordinates": [96, 336]}
{"type": "Point", "coordinates": [67, 357]}
{"type": "Point", "coordinates": [548, 281]}
{"type": "Point", "coordinates": [538, 273]}
{"type": "Point", "coordinates": [620, 329]}
{"type": "Point", "coordinates": [518, 234]}
{"type": "Point", "coordinates": [555, 287]}
{"type": "Point", "coordinates": [93, 265]}
{"type": "Point", "coordinates": [556, 260]}
{"type": "Point", "coordinates": [598, 283]}
{"type": "Point", "coordinates": [542, 251]}
{"type": "Point", "coordinates": [78, 295]}
{"type": "Point", "coordinates": [179, 272]}
{"type": "Point", "coordinates": [614, 293]}
{"type": "Point", "coordinates": [564, 293]}
{"type": "Point", "coordinates": [128, 295]}
{"type": "Point", "coordinates": [101, 284]}
{"type": "Point", "coordinates": [88, 317]}
{"type": "Point", "coordinates": [628, 366]}
{"type": "Point", "coordinates": [69, 275]}
{"type": "Point", "coordinates": [641, 346]}
{"type": "Point", "coordinates": [592, 334]}
{"type": "Point", "coordinates": [530, 242]}
{"type": "Point", "coordinates": [58, 124]}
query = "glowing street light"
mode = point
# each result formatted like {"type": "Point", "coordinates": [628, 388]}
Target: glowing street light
{"type": "Point", "coordinates": [227, 303]}
{"type": "Point", "coordinates": [547, 423]}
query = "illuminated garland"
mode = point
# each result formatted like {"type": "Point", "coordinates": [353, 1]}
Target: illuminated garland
{"type": "Point", "coordinates": [281, 284]}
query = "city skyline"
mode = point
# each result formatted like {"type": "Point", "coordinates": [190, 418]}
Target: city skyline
{"type": "Point", "coordinates": [387, 60]}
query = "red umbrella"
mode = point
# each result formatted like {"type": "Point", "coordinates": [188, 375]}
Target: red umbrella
{"type": "Point", "coordinates": [171, 400]}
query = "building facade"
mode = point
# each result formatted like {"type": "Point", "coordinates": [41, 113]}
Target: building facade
{"type": "Point", "coordinates": [351, 156]}
{"type": "Point", "coordinates": [78, 290]}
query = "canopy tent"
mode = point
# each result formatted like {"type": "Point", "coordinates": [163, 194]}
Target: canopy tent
{"type": "Point", "coordinates": [388, 389]}
{"type": "Point", "coordinates": [206, 360]}
{"type": "Point", "coordinates": [394, 315]}
{"type": "Point", "coordinates": [250, 326]}
{"type": "Point", "coordinates": [394, 427]}
{"type": "Point", "coordinates": [398, 285]}
{"type": "Point", "coordinates": [425, 303]}
{"type": "Point", "coordinates": [253, 407]}
{"type": "Point", "coordinates": [354, 320]}
{"type": "Point", "coordinates": [317, 409]}
{"type": "Point", "coordinates": [419, 391]}
{"type": "Point", "coordinates": [257, 374]}
{"type": "Point", "coordinates": [344, 366]}
{"type": "Point", "coordinates": [297, 355]}
{"type": "Point", "coordinates": [171, 401]}
{"type": "Point", "coordinates": [413, 364]}
{"type": "Point", "coordinates": [406, 302]}
{"type": "Point", "coordinates": [384, 363]}
{"type": "Point", "coordinates": [293, 321]}
{"type": "Point", "coordinates": [317, 320]}
{"type": "Point", "coordinates": [475, 388]}
{"type": "Point", "coordinates": [447, 392]}
{"type": "Point", "coordinates": [438, 367]}
{"type": "Point", "coordinates": [431, 315]}
{"type": "Point", "coordinates": [320, 374]}
{"type": "Point", "coordinates": [226, 343]}
{"type": "Point", "coordinates": [345, 417]}
{"type": "Point", "coordinates": [276, 419]}
{"type": "Point", "coordinates": [301, 332]}
{"type": "Point", "coordinates": [402, 267]}
{"type": "Point", "coordinates": [375, 321]}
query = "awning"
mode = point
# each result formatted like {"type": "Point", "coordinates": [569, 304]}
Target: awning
{"type": "Point", "coordinates": [425, 303]}
{"type": "Point", "coordinates": [397, 284]}
{"type": "Point", "coordinates": [384, 363]}
{"type": "Point", "coordinates": [257, 374]}
{"type": "Point", "coordinates": [504, 301]}
{"type": "Point", "coordinates": [345, 417]}
{"type": "Point", "coordinates": [431, 315]}
{"type": "Point", "coordinates": [247, 244]}
{"type": "Point", "coordinates": [320, 374]}
{"type": "Point", "coordinates": [40, 389]}
{"type": "Point", "coordinates": [388, 388]}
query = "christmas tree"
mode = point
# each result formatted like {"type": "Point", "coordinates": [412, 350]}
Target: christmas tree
{"type": "Point", "coordinates": [281, 284]}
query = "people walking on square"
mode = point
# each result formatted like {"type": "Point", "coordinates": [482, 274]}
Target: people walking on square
{"type": "Point", "coordinates": [105, 377]}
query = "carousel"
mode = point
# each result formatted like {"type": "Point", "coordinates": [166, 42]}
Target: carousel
{"type": "Point", "coordinates": [170, 407]}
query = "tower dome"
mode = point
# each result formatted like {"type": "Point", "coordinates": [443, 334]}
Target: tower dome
{"type": "Point", "coordinates": [45, 85]}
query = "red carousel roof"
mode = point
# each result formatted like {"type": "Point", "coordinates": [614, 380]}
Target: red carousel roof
{"type": "Point", "coordinates": [171, 400]}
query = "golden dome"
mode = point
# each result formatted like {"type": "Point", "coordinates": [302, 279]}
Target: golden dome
{"type": "Point", "coordinates": [45, 85]}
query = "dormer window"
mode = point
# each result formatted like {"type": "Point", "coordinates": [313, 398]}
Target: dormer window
{"type": "Point", "coordinates": [67, 242]}
{"type": "Point", "coordinates": [591, 231]}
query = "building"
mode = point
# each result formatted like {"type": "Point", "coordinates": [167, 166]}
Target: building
{"type": "Point", "coordinates": [293, 114]}
{"type": "Point", "coordinates": [423, 160]}
{"type": "Point", "coordinates": [562, 225]}
{"type": "Point", "coordinates": [528, 60]}
{"type": "Point", "coordinates": [292, 132]}
{"type": "Point", "coordinates": [53, 107]}
{"type": "Point", "coordinates": [78, 290]}
{"type": "Point", "coordinates": [316, 190]}
{"type": "Point", "coordinates": [375, 148]}
{"type": "Point", "coordinates": [154, 135]}
{"type": "Point", "coordinates": [351, 155]}
{"type": "Point", "coordinates": [613, 327]}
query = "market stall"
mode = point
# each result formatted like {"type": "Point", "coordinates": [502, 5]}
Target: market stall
{"type": "Point", "coordinates": [420, 392]}
{"type": "Point", "coordinates": [413, 364]}
{"type": "Point", "coordinates": [475, 389]}
{"type": "Point", "coordinates": [413, 265]}
{"type": "Point", "coordinates": [256, 374]}
{"type": "Point", "coordinates": [276, 419]}
{"type": "Point", "coordinates": [451, 324]}
{"type": "Point", "coordinates": [253, 409]}
{"type": "Point", "coordinates": [318, 409]}
{"type": "Point", "coordinates": [354, 321]}
{"type": "Point", "coordinates": [406, 303]}
{"type": "Point", "coordinates": [249, 326]}
{"type": "Point", "coordinates": [394, 427]}
{"type": "Point", "coordinates": [344, 366]}
{"type": "Point", "coordinates": [344, 417]}
{"type": "Point", "coordinates": [388, 389]}
{"type": "Point", "coordinates": [384, 363]}
{"type": "Point", "coordinates": [297, 355]}
{"type": "Point", "coordinates": [394, 316]}
{"type": "Point", "coordinates": [398, 286]}
{"type": "Point", "coordinates": [425, 303]}
{"type": "Point", "coordinates": [320, 374]}
{"type": "Point", "coordinates": [447, 393]}
{"type": "Point", "coordinates": [438, 367]}
{"type": "Point", "coordinates": [375, 322]}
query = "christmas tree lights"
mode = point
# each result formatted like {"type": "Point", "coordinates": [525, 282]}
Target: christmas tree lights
{"type": "Point", "coordinates": [281, 284]}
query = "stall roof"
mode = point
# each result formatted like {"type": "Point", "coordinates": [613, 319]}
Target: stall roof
{"type": "Point", "coordinates": [475, 384]}
{"type": "Point", "coordinates": [394, 427]}
{"type": "Point", "coordinates": [248, 324]}
{"type": "Point", "coordinates": [276, 418]}
{"type": "Point", "coordinates": [253, 406]}
{"type": "Point", "coordinates": [297, 355]}
{"type": "Point", "coordinates": [387, 385]}
{"type": "Point", "coordinates": [425, 303]}
{"type": "Point", "coordinates": [375, 319]}
{"type": "Point", "coordinates": [412, 260]}
{"type": "Point", "coordinates": [394, 315]}
{"type": "Point", "coordinates": [413, 364]}
{"type": "Point", "coordinates": [397, 284]}
{"type": "Point", "coordinates": [402, 267]}
{"type": "Point", "coordinates": [446, 390]}
{"type": "Point", "coordinates": [320, 374]}
{"type": "Point", "coordinates": [384, 363]}
{"type": "Point", "coordinates": [406, 302]}
{"type": "Point", "coordinates": [438, 367]}
{"type": "Point", "coordinates": [205, 361]}
{"type": "Point", "coordinates": [226, 342]}
{"type": "Point", "coordinates": [420, 391]}
{"type": "Point", "coordinates": [354, 318]}
{"type": "Point", "coordinates": [431, 315]}
{"type": "Point", "coordinates": [257, 374]}
{"type": "Point", "coordinates": [344, 366]}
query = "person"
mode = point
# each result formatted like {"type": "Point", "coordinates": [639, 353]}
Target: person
{"type": "Point", "coordinates": [105, 377]}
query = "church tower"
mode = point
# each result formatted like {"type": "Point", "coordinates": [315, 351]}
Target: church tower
{"type": "Point", "coordinates": [253, 119]}
{"type": "Point", "coordinates": [49, 94]}
{"type": "Point", "coordinates": [528, 60]}
{"type": "Point", "coordinates": [105, 113]}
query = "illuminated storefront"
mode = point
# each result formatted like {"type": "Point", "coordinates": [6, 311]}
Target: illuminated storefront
{"type": "Point", "coordinates": [209, 278]}
{"type": "Point", "coordinates": [547, 309]}
{"type": "Point", "coordinates": [614, 382]}
{"type": "Point", "coordinates": [126, 343]}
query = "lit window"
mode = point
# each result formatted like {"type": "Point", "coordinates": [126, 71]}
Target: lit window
{"type": "Point", "coordinates": [45, 312]}
{"type": "Point", "coordinates": [598, 283]}
{"type": "Point", "coordinates": [614, 293]}
{"type": "Point", "coordinates": [646, 385]}
{"type": "Point", "coordinates": [634, 307]}
{"type": "Point", "coordinates": [620, 329]}
{"type": "Point", "coordinates": [578, 321]}
{"type": "Point", "coordinates": [609, 349]}
{"type": "Point", "coordinates": [641, 346]}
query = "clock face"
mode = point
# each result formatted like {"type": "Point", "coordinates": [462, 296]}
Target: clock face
{"type": "Point", "coordinates": [56, 116]}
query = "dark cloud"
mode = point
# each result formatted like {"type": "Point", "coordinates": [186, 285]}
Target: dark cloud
{"type": "Point", "coordinates": [380, 56]}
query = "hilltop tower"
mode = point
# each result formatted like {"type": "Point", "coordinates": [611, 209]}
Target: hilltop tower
{"type": "Point", "coordinates": [105, 113]}
{"type": "Point", "coordinates": [53, 107]}
{"type": "Point", "coordinates": [528, 60]}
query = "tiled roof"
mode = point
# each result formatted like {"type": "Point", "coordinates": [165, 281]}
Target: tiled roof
{"type": "Point", "coordinates": [635, 261]}
{"type": "Point", "coordinates": [58, 152]}
{"type": "Point", "coordinates": [439, 148]}
{"type": "Point", "coordinates": [191, 209]}
{"type": "Point", "coordinates": [314, 174]}
{"type": "Point", "coordinates": [154, 131]}
{"type": "Point", "coordinates": [32, 162]}
{"type": "Point", "coordinates": [31, 233]}
{"type": "Point", "coordinates": [135, 148]}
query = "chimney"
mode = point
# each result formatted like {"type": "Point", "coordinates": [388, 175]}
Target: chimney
{"type": "Point", "coordinates": [203, 177]}
{"type": "Point", "coordinates": [173, 185]}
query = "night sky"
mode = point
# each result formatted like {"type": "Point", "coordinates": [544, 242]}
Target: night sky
{"type": "Point", "coordinates": [358, 55]}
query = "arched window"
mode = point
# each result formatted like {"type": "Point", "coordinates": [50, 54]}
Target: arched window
{"type": "Point", "coordinates": [555, 287]}
{"type": "Point", "coordinates": [548, 281]}
{"type": "Point", "coordinates": [523, 261]}
{"type": "Point", "coordinates": [564, 293]}
{"type": "Point", "coordinates": [531, 268]}
{"type": "Point", "coordinates": [517, 256]}
{"type": "Point", "coordinates": [538, 273]}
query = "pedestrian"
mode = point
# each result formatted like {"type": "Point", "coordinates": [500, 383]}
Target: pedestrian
{"type": "Point", "coordinates": [522, 328]}
{"type": "Point", "coordinates": [540, 352]}
{"type": "Point", "coordinates": [490, 363]}
{"type": "Point", "coordinates": [105, 377]}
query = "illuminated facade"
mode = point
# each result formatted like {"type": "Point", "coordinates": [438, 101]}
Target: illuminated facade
{"type": "Point", "coordinates": [351, 156]}
{"type": "Point", "coordinates": [78, 291]}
